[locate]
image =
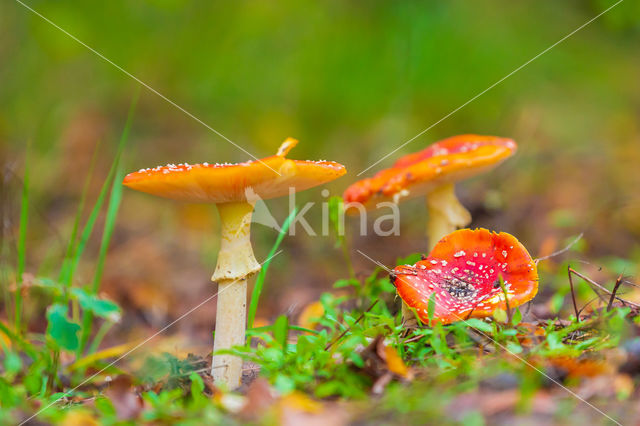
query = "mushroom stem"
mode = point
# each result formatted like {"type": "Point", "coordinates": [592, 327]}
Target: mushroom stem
{"type": "Point", "coordinates": [446, 214]}
{"type": "Point", "coordinates": [236, 263]}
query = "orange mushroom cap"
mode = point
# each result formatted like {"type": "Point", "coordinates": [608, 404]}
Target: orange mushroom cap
{"type": "Point", "coordinates": [463, 271]}
{"type": "Point", "coordinates": [270, 177]}
{"type": "Point", "coordinates": [417, 174]}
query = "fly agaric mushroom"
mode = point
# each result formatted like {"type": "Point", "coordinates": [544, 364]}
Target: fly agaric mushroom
{"type": "Point", "coordinates": [234, 189]}
{"type": "Point", "coordinates": [463, 272]}
{"type": "Point", "coordinates": [433, 172]}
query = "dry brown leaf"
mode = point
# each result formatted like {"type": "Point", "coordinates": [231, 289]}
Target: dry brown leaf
{"type": "Point", "coordinates": [577, 368]}
{"type": "Point", "coordinates": [309, 316]}
{"type": "Point", "coordinates": [260, 396]}
{"type": "Point", "coordinates": [381, 383]}
{"type": "Point", "coordinates": [124, 398]}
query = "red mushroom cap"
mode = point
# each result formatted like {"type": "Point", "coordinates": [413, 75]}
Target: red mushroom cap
{"type": "Point", "coordinates": [227, 183]}
{"type": "Point", "coordinates": [463, 271]}
{"type": "Point", "coordinates": [417, 174]}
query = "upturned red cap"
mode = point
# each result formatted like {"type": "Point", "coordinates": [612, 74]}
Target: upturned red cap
{"type": "Point", "coordinates": [463, 272]}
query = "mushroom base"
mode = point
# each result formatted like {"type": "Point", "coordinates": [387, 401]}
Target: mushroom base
{"type": "Point", "coordinates": [231, 322]}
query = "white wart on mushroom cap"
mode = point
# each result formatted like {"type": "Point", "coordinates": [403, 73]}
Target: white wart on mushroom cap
{"type": "Point", "coordinates": [270, 177]}
{"type": "Point", "coordinates": [445, 162]}
{"type": "Point", "coordinates": [463, 272]}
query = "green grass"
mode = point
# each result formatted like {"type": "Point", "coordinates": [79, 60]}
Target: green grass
{"type": "Point", "coordinates": [69, 271]}
{"type": "Point", "coordinates": [333, 359]}
{"type": "Point", "coordinates": [336, 359]}
{"type": "Point", "coordinates": [116, 174]}
{"type": "Point", "coordinates": [22, 248]}
{"type": "Point", "coordinates": [344, 355]}
{"type": "Point", "coordinates": [259, 284]}
{"type": "Point", "coordinates": [66, 272]}
{"type": "Point", "coordinates": [112, 211]}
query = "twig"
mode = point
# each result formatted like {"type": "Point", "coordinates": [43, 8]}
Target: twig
{"type": "Point", "coordinates": [559, 252]}
{"type": "Point", "coordinates": [592, 282]}
{"type": "Point", "coordinates": [349, 328]}
{"type": "Point", "coordinates": [573, 294]}
{"type": "Point", "coordinates": [471, 311]}
{"type": "Point", "coordinates": [613, 293]}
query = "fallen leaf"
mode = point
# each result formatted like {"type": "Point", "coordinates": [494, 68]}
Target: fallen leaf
{"type": "Point", "coordinates": [382, 363]}
{"type": "Point", "coordinates": [79, 418]}
{"type": "Point", "coordinates": [260, 396]}
{"type": "Point", "coordinates": [124, 398]}
{"type": "Point", "coordinates": [394, 362]}
{"type": "Point", "coordinates": [301, 402]}
{"type": "Point", "coordinates": [298, 409]}
{"type": "Point", "coordinates": [577, 368]}
{"type": "Point", "coordinates": [111, 352]}
{"type": "Point", "coordinates": [310, 314]}
{"type": "Point", "coordinates": [381, 383]}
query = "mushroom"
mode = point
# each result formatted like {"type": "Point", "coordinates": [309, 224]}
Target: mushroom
{"type": "Point", "coordinates": [234, 189]}
{"type": "Point", "coordinates": [464, 273]}
{"type": "Point", "coordinates": [432, 173]}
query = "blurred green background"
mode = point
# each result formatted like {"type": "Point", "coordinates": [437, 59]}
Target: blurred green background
{"type": "Point", "coordinates": [352, 80]}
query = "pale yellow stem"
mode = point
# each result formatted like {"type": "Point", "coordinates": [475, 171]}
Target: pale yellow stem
{"type": "Point", "coordinates": [236, 263]}
{"type": "Point", "coordinates": [446, 214]}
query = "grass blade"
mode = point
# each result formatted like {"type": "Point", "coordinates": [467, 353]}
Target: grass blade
{"type": "Point", "coordinates": [109, 225]}
{"type": "Point", "coordinates": [102, 331]}
{"type": "Point", "coordinates": [257, 288]}
{"type": "Point", "coordinates": [88, 228]}
{"type": "Point", "coordinates": [69, 254]}
{"type": "Point", "coordinates": [22, 247]}
{"type": "Point", "coordinates": [91, 221]}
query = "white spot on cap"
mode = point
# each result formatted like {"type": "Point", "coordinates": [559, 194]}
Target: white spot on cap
{"type": "Point", "coordinates": [399, 195]}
